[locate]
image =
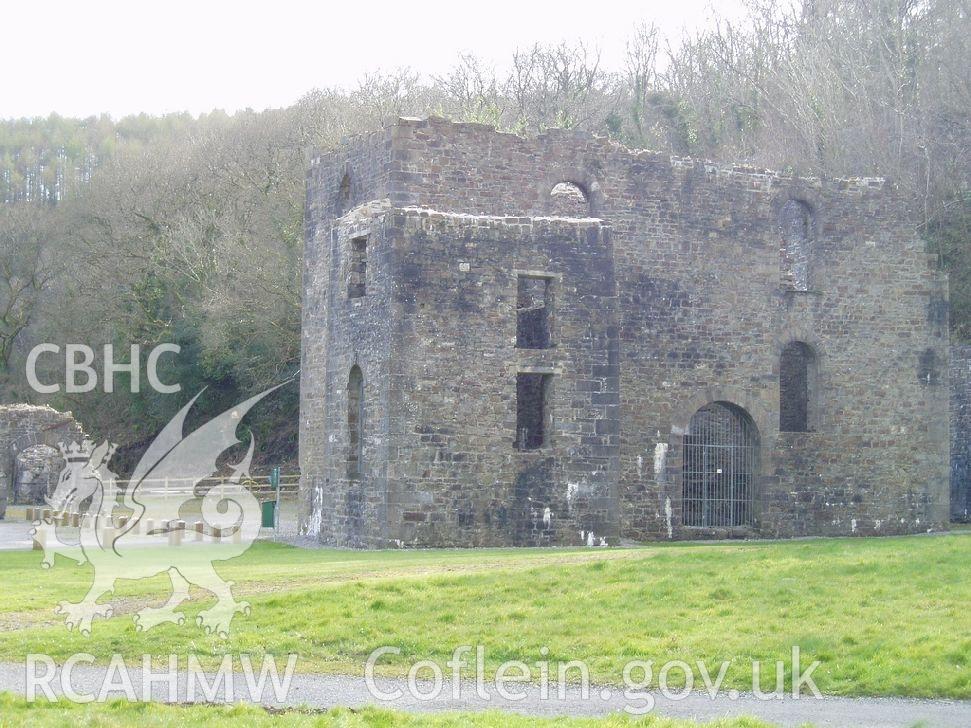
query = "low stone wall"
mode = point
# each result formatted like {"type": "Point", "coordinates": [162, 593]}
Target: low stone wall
{"type": "Point", "coordinates": [960, 433]}
{"type": "Point", "coordinates": [36, 470]}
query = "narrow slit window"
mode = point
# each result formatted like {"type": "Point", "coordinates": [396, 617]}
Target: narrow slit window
{"type": "Point", "coordinates": [355, 422]}
{"type": "Point", "coordinates": [534, 313]}
{"type": "Point", "coordinates": [343, 203]}
{"type": "Point", "coordinates": [795, 225]}
{"type": "Point", "coordinates": [357, 278]}
{"type": "Point", "coordinates": [533, 410]}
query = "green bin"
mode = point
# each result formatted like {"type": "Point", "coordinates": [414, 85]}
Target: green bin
{"type": "Point", "coordinates": [269, 511]}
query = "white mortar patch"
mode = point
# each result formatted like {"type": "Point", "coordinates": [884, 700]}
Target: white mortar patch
{"type": "Point", "coordinates": [660, 457]}
{"type": "Point", "coordinates": [571, 493]}
{"type": "Point", "coordinates": [667, 517]}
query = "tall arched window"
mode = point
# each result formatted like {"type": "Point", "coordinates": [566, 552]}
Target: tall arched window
{"type": "Point", "coordinates": [355, 422]}
{"type": "Point", "coordinates": [795, 226]}
{"type": "Point", "coordinates": [720, 464]}
{"type": "Point", "coordinates": [797, 387]}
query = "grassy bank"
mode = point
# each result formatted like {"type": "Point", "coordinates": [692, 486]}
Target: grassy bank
{"type": "Point", "coordinates": [883, 616]}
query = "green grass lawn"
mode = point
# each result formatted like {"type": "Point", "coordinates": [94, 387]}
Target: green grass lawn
{"type": "Point", "coordinates": [15, 712]}
{"type": "Point", "coordinates": [884, 616]}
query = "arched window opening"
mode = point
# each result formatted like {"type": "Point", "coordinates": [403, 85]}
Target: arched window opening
{"type": "Point", "coordinates": [343, 203]}
{"type": "Point", "coordinates": [795, 226]}
{"type": "Point", "coordinates": [355, 422]}
{"type": "Point", "coordinates": [720, 464]}
{"type": "Point", "coordinates": [568, 199]}
{"type": "Point", "coordinates": [797, 388]}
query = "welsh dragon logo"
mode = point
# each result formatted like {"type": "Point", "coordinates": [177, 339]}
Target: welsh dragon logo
{"type": "Point", "coordinates": [131, 532]}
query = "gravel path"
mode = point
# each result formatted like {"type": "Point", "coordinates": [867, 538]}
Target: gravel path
{"type": "Point", "coordinates": [327, 691]}
{"type": "Point", "coordinates": [15, 536]}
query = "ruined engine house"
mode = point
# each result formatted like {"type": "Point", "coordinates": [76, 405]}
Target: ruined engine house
{"type": "Point", "coordinates": [559, 340]}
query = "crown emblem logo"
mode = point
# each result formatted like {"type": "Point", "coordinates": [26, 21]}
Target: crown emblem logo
{"type": "Point", "coordinates": [75, 453]}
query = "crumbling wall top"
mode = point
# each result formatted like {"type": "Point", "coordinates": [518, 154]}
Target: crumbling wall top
{"type": "Point", "coordinates": [441, 132]}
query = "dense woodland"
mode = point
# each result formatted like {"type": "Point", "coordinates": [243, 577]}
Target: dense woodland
{"type": "Point", "coordinates": [189, 230]}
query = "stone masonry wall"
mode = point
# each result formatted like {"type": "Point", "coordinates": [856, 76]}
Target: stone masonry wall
{"type": "Point", "coordinates": [24, 426]}
{"type": "Point", "coordinates": [703, 307]}
{"type": "Point", "coordinates": [354, 332]}
{"type": "Point", "coordinates": [36, 472]}
{"type": "Point", "coordinates": [336, 184]}
{"type": "Point", "coordinates": [457, 475]}
{"type": "Point", "coordinates": [961, 433]}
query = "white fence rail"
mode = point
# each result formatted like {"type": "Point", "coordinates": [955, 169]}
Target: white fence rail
{"type": "Point", "coordinates": [180, 490]}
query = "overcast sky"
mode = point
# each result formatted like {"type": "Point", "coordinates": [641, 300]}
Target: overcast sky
{"type": "Point", "coordinates": [83, 58]}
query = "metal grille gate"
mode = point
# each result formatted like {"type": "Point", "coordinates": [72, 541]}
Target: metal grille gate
{"type": "Point", "coordinates": [720, 462]}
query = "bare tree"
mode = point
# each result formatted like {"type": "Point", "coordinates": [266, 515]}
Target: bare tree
{"type": "Point", "coordinates": [472, 93]}
{"type": "Point", "coordinates": [557, 86]}
{"type": "Point", "coordinates": [27, 268]}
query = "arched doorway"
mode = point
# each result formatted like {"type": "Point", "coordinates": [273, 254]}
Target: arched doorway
{"type": "Point", "coordinates": [720, 465]}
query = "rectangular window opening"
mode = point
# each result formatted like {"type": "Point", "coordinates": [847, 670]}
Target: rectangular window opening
{"type": "Point", "coordinates": [357, 275]}
{"type": "Point", "coordinates": [797, 384]}
{"type": "Point", "coordinates": [534, 312]}
{"type": "Point", "coordinates": [533, 410]}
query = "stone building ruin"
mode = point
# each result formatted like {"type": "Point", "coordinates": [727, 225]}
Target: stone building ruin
{"type": "Point", "coordinates": [559, 340]}
{"type": "Point", "coordinates": [30, 461]}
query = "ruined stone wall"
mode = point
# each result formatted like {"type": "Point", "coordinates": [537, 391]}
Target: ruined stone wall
{"type": "Point", "coordinates": [706, 315]}
{"type": "Point", "coordinates": [961, 432]}
{"type": "Point", "coordinates": [24, 427]}
{"type": "Point", "coordinates": [36, 470]}
{"type": "Point", "coordinates": [336, 184]}
{"type": "Point", "coordinates": [706, 301]}
{"type": "Point", "coordinates": [458, 476]}
{"type": "Point", "coordinates": [353, 331]}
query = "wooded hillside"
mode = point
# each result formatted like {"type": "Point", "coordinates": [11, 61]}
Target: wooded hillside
{"type": "Point", "coordinates": [189, 230]}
